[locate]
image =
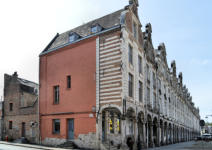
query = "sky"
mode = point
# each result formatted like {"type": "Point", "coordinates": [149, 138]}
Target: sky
{"type": "Point", "coordinates": [26, 28]}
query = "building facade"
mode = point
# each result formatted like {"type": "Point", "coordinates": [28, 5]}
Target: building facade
{"type": "Point", "coordinates": [121, 86]}
{"type": "Point", "coordinates": [20, 115]}
{"type": "Point", "coordinates": [1, 119]}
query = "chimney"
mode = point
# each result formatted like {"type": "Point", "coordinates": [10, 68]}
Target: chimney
{"type": "Point", "coordinates": [131, 2]}
{"type": "Point", "coordinates": [15, 74]}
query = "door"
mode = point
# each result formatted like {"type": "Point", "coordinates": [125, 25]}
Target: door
{"type": "Point", "coordinates": [70, 129]}
{"type": "Point", "coordinates": [23, 129]}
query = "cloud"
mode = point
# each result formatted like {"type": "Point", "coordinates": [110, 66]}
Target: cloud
{"type": "Point", "coordinates": [200, 62]}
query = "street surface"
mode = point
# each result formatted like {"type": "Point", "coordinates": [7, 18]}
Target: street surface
{"type": "Point", "coordinates": [199, 145]}
{"type": "Point", "coordinates": [12, 147]}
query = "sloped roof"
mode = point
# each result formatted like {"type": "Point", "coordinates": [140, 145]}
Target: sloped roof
{"type": "Point", "coordinates": [84, 30]}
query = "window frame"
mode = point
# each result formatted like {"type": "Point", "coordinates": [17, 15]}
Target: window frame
{"type": "Point", "coordinates": [111, 123]}
{"type": "Point", "coordinates": [140, 67]}
{"type": "Point", "coordinates": [130, 54]}
{"type": "Point", "coordinates": [11, 106]}
{"type": "Point", "coordinates": [54, 121]}
{"type": "Point", "coordinates": [140, 96]}
{"type": "Point", "coordinates": [56, 93]}
{"type": "Point", "coordinates": [68, 79]}
{"type": "Point", "coordinates": [135, 30]}
{"type": "Point", "coordinates": [148, 95]}
{"type": "Point", "coordinates": [10, 125]}
{"type": "Point", "coordinates": [130, 85]}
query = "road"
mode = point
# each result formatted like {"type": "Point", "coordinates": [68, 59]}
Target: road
{"type": "Point", "coordinates": [12, 147]}
{"type": "Point", "coordinates": [200, 145]}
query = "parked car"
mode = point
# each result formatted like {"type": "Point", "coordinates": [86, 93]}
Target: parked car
{"type": "Point", "coordinates": [206, 137]}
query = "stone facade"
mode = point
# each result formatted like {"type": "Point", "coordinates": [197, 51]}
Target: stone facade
{"type": "Point", "coordinates": [165, 113]}
{"type": "Point", "coordinates": [21, 117]}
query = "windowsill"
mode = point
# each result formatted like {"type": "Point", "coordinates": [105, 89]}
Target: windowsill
{"type": "Point", "coordinates": [56, 103]}
{"type": "Point", "coordinates": [131, 66]}
{"type": "Point", "coordinates": [141, 75]}
{"type": "Point", "coordinates": [130, 98]}
{"type": "Point", "coordinates": [54, 133]}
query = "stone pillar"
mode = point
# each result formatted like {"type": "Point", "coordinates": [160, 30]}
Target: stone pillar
{"type": "Point", "coordinates": [151, 133]}
{"type": "Point", "coordinates": [162, 134]}
{"type": "Point", "coordinates": [172, 135]}
{"type": "Point", "coordinates": [144, 136]}
{"type": "Point", "coordinates": [158, 134]}
{"type": "Point", "coordinates": [167, 134]}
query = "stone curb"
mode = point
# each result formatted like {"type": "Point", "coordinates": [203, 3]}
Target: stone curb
{"type": "Point", "coordinates": [31, 146]}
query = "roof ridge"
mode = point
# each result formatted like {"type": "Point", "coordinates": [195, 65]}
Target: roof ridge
{"type": "Point", "coordinates": [92, 21]}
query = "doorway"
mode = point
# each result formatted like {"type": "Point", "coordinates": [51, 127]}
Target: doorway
{"type": "Point", "coordinates": [23, 129]}
{"type": "Point", "coordinates": [70, 129]}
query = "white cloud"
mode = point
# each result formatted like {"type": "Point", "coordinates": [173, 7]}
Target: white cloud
{"type": "Point", "coordinates": [201, 62]}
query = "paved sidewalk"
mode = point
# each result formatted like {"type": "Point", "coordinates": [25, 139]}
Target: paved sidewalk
{"type": "Point", "coordinates": [31, 146]}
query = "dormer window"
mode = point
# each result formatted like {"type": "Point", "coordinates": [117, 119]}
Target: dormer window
{"type": "Point", "coordinates": [73, 37]}
{"type": "Point", "coordinates": [96, 28]}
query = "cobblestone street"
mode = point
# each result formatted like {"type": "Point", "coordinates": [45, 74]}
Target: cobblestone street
{"type": "Point", "coordinates": [200, 145]}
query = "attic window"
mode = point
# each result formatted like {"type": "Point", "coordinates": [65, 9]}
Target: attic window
{"type": "Point", "coordinates": [96, 28]}
{"type": "Point", "coordinates": [73, 37]}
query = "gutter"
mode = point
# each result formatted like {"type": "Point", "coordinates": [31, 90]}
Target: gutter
{"type": "Point", "coordinates": [83, 38]}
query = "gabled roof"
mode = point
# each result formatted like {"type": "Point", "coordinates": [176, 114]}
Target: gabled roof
{"type": "Point", "coordinates": [84, 30]}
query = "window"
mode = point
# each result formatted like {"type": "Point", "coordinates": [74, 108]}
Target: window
{"type": "Point", "coordinates": [134, 30]}
{"type": "Point", "coordinates": [118, 124]}
{"type": "Point", "coordinates": [154, 100]}
{"type": "Point", "coordinates": [96, 28]}
{"type": "Point", "coordinates": [10, 124]}
{"type": "Point", "coordinates": [154, 80]}
{"type": "Point", "coordinates": [131, 127]}
{"type": "Point", "coordinates": [147, 72]}
{"type": "Point", "coordinates": [140, 91]}
{"type": "Point", "coordinates": [56, 94]}
{"type": "Point", "coordinates": [111, 123]}
{"type": "Point", "coordinates": [22, 100]}
{"type": "Point", "coordinates": [130, 85]}
{"type": "Point", "coordinates": [11, 106]}
{"type": "Point", "coordinates": [56, 126]}
{"type": "Point", "coordinates": [159, 86]}
{"type": "Point", "coordinates": [148, 95]}
{"type": "Point", "coordinates": [68, 82]}
{"type": "Point", "coordinates": [139, 64]}
{"type": "Point", "coordinates": [73, 37]}
{"type": "Point", "coordinates": [130, 55]}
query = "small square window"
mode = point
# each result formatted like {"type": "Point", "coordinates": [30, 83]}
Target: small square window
{"type": "Point", "coordinates": [56, 126]}
{"type": "Point", "coordinates": [10, 125]}
{"type": "Point", "coordinates": [72, 38]}
{"type": "Point", "coordinates": [94, 29]}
